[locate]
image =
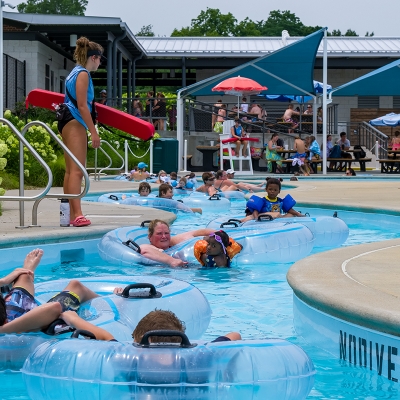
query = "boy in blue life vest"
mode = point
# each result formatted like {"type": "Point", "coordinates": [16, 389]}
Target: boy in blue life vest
{"type": "Point", "coordinates": [271, 204]}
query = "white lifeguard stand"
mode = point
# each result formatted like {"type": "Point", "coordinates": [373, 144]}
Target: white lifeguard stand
{"type": "Point", "coordinates": [226, 134]}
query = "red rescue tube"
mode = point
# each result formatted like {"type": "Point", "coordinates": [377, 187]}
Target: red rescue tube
{"type": "Point", "coordinates": [106, 115]}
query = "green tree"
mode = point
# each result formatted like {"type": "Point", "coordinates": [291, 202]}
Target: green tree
{"type": "Point", "coordinates": [370, 34]}
{"type": "Point", "coordinates": [64, 7]}
{"type": "Point", "coordinates": [212, 23]}
{"type": "Point", "coordinates": [209, 23]}
{"type": "Point", "coordinates": [285, 20]}
{"type": "Point", "coordinates": [145, 30]}
{"type": "Point", "coordinates": [350, 32]}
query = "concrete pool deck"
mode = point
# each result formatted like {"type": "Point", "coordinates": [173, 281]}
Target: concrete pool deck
{"type": "Point", "coordinates": [366, 292]}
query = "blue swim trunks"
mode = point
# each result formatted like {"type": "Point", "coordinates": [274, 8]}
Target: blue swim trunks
{"type": "Point", "coordinates": [18, 302]}
{"type": "Point", "coordinates": [69, 301]}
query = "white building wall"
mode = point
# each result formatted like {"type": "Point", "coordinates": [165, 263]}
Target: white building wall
{"type": "Point", "coordinates": [37, 55]}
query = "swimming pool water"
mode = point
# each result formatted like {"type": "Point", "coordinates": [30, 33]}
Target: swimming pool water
{"type": "Point", "coordinates": [255, 300]}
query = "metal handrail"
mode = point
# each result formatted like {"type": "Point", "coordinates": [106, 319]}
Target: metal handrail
{"type": "Point", "coordinates": [52, 195]}
{"type": "Point", "coordinates": [107, 168]}
{"type": "Point", "coordinates": [21, 198]}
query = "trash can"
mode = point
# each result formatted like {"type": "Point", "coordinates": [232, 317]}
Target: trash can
{"type": "Point", "coordinates": [165, 155]}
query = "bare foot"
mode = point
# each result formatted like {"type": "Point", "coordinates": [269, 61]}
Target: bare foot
{"type": "Point", "coordinates": [32, 259]}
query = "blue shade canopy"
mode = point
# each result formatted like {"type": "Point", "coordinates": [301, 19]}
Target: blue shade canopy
{"type": "Point", "coordinates": [287, 70]}
{"type": "Point", "coordinates": [318, 88]}
{"type": "Point", "coordinates": [286, 97]}
{"type": "Point", "coordinates": [391, 119]}
{"type": "Point", "coordinates": [384, 81]}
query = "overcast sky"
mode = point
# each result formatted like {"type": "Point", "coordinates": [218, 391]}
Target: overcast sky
{"type": "Point", "coordinates": [381, 16]}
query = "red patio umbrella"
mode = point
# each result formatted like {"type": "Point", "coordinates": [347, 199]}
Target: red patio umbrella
{"type": "Point", "coordinates": [239, 86]}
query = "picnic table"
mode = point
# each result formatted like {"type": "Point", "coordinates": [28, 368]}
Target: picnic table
{"type": "Point", "coordinates": [289, 161]}
{"type": "Point", "coordinates": [390, 165]}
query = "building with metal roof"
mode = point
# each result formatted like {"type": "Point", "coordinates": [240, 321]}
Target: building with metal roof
{"type": "Point", "coordinates": [43, 42]}
{"type": "Point", "coordinates": [234, 47]}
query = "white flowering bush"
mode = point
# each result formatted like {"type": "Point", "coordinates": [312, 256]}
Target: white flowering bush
{"type": "Point", "coordinates": [3, 162]}
{"type": "Point", "coordinates": [37, 136]}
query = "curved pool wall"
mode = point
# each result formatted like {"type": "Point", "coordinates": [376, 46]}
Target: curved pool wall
{"type": "Point", "coordinates": [357, 345]}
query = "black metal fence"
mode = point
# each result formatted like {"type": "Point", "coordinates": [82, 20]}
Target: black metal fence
{"type": "Point", "coordinates": [14, 81]}
{"type": "Point", "coordinates": [201, 116]}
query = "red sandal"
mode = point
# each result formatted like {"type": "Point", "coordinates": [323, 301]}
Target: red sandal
{"type": "Point", "coordinates": [80, 221]}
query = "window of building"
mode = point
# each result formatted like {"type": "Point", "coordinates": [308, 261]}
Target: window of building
{"type": "Point", "coordinates": [52, 81]}
{"type": "Point", "coordinates": [396, 102]}
{"type": "Point", "coordinates": [368, 102]}
{"type": "Point", "coordinates": [47, 77]}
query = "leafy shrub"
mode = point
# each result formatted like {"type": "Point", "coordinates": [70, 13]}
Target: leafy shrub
{"type": "Point", "coordinates": [3, 162]}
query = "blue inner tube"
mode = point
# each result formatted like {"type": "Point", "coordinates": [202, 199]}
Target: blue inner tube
{"type": "Point", "coordinates": [246, 369]}
{"type": "Point", "coordinates": [278, 243]}
{"type": "Point", "coordinates": [328, 231]}
{"type": "Point", "coordinates": [120, 315]}
{"type": "Point", "coordinates": [149, 201]}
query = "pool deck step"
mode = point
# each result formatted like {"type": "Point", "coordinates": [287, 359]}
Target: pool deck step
{"type": "Point", "coordinates": [358, 284]}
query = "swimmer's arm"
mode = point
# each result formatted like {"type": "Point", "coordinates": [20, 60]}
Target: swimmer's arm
{"type": "Point", "coordinates": [149, 251]}
{"type": "Point", "coordinates": [36, 319]}
{"type": "Point", "coordinates": [295, 213]}
{"type": "Point", "coordinates": [181, 237]}
{"type": "Point", "coordinates": [212, 190]}
{"type": "Point", "coordinates": [12, 276]}
{"type": "Point", "coordinates": [74, 320]}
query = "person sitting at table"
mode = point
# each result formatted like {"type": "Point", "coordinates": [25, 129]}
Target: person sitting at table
{"type": "Point", "coordinates": [271, 155]}
{"type": "Point", "coordinates": [288, 117]}
{"type": "Point", "coordinates": [299, 157]}
{"type": "Point", "coordinates": [344, 144]}
{"type": "Point", "coordinates": [244, 107]}
{"type": "Point", "coordinates": [319, 114]}
{"type": "Point", "coordinates": [238, 133]}
{"type": "Point", "coordinates": [396, 141]}
{"type": "Point", "coordinates": [214, 116]}
{"type": "Point", "coordinates": [220, 119]}
{"type": "Point", "coordinates": [308, 110]}
{"type": "Point", "coordinates": [315, 151]}
{"type": "Point", "coordinates": [256, 109]}
{"type": "Point", "coordinates": [208, 186]}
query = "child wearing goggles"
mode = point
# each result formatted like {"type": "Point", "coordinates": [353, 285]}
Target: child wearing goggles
{"type": "Point", "coordinates": [216, 250]}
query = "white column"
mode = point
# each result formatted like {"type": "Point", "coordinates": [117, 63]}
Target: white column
{"type": "Point", "coordinates": [179, 129]}
{"type": "Point", "coordinates": [126, 156]}
{"type": "Point", "coordinates": [324, 101]}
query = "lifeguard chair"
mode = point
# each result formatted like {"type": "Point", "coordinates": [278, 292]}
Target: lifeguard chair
{"type": "Point", "coordinates": [229, 143]}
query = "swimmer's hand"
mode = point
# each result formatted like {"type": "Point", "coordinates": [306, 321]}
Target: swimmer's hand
{"type": "Point", "coordinates": [12, 276]}
{"type": "Point", "coordinates": [176, 263]}
{"type": "Point", "coordinates": [118, 290]}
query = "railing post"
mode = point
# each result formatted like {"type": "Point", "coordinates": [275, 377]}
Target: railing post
{"type": "Point", "coordinates": [151, 156]}
{"type": "Point", "coordinates": [126, 156]}
{"type": "Point", "coordinates": [21, 186]}
{"type": "Point", "coordinates": [376, 155]}
{"type": "Point", "coordinates": [185, 156]}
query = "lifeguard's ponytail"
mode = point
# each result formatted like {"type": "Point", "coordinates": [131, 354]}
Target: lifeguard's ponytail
{"type": "Point", "coordinates": [83, 45]}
